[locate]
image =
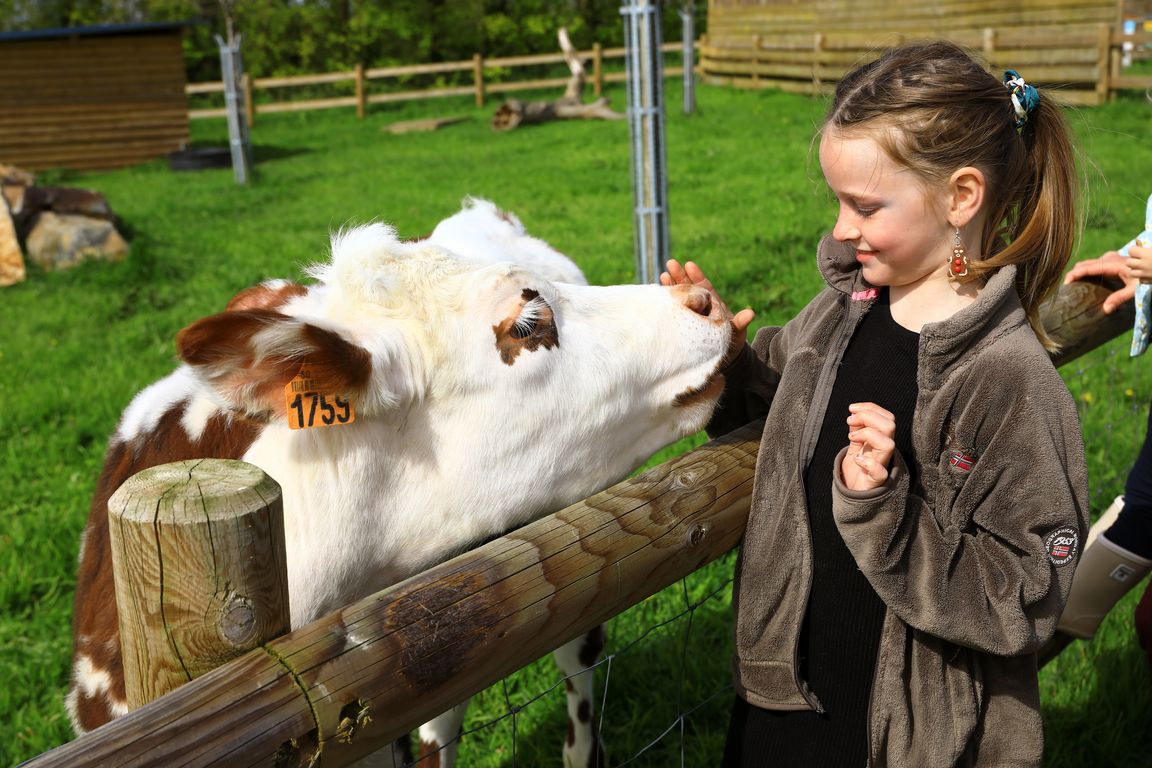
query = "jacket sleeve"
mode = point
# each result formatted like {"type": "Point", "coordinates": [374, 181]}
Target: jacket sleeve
{"type": "Point", "coordinates": [749, 385]}
{"type": "Point", "coordinates": [979, 568]}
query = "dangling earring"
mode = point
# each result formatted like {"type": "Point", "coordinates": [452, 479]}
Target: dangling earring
{"type": "Point", "coordinates": [958, 264]}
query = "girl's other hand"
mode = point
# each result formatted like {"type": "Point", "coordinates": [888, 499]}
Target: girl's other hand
{"type": "Point", "coordinates": [871, 443]}
{"type": "Point", "coordinates": [1140, 262]}
{"type": "Point", "coordinates": [689, 273]}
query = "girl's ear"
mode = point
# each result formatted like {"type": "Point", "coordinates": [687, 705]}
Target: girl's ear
{"type": "Point", "coordinates": [966, 187]}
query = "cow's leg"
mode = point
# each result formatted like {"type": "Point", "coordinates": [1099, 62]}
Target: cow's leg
{"type": "Point", "coordinates": [576, 659]}
{"type": "Point", "coordinates": [440, 738]}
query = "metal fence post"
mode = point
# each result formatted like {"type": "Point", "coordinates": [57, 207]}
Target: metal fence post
{"type": "Point", "coordinates": [645, 69]}
{"type": "Point", "coordinates": [688, 37]}
{"type": "Point", "coordinates": [231, 72]}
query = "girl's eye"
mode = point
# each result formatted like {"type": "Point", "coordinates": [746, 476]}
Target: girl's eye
{"type": "Point", "coordinates": [865, 212]}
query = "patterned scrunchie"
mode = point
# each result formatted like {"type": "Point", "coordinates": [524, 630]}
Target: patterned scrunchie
{"type": "Point", "coordinates": [1025, 98]}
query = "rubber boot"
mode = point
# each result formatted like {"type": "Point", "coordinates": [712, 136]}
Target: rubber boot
{"type": "Point", "coordinates": [1104, 575]}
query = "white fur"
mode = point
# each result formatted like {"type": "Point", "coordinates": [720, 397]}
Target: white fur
{"type": "Point", "coordinates": [451, 444]}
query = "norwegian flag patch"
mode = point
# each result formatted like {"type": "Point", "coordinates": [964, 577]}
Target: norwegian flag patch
{"type": "Point", "coordinates": [962, 460]}
{"type": "Point", "coordinates": [1062, 545]}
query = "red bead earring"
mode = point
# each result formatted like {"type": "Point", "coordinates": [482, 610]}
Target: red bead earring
{"type": "Point", "coordinates": [958, 264]}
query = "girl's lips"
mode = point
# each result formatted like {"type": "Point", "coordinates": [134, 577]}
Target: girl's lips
{"type": "Point", "coordinates": [864, 255]}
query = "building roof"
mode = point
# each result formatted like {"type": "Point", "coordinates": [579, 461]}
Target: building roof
{"type": "Point", "coordinates": [142, 28]}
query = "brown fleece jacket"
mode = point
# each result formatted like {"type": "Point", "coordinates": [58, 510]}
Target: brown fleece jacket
{"type": "Point", "coordinates": [974, 561]}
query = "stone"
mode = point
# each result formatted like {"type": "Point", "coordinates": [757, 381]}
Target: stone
{"type": "Point", "coordinates": [60, 241]}
{"type": "Point", "coordinates": [11, 259]}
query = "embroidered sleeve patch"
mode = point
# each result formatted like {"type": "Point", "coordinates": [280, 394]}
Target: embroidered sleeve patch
{"type": "Point", "coordinates": [1062, 545]}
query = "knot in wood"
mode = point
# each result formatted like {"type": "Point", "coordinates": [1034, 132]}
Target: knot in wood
{"type": "Point", "coordinates": [685, 478]}
{"type": "Point", "coordinates": [237, 623]}
{"type": "Point", "coordinates": [697, 534]}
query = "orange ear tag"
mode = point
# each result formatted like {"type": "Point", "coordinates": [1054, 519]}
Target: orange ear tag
{"type": "Point", "coordinates": [308, 407]}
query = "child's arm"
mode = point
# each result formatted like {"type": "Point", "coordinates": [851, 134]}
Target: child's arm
{"type": "Point", "coordinates": [980, 565]}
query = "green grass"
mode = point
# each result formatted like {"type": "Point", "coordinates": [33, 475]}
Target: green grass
{"type": "Point", "coordinates": [746, 200]}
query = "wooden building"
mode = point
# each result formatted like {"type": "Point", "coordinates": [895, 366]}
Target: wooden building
{"type": "Point", "coordinates": [807, 45]}
{"type": "Point", "coordinates": [92, 97]}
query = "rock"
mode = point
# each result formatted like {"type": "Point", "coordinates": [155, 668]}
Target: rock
{"type": "Point", "coordinates": [11, 259]}
{"type": "Point", "coordinates": [60, 241]}
{"type": "Point", "coordinates": [11, 175]}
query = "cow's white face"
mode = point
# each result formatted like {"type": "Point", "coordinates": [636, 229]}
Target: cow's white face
{"type": "Point", "coordinates": [489, 386]}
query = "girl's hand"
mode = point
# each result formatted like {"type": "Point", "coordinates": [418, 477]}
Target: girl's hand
{"type": "Point", "coordinates": [690, 274]}
{"type": "Point", "coordinates": [1111, 264]}
{"type": "Point", "coordinates": [871, 443]}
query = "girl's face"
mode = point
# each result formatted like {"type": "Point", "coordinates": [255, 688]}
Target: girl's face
{"type": "Point", "coordinates": [899, 228]}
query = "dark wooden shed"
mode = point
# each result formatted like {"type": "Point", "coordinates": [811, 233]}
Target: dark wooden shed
{"type": "Point", "coordinates": [92, 97]}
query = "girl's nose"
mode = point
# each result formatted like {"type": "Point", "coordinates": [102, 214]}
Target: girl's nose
{"type": "Point", "coordinates": [845, 229]}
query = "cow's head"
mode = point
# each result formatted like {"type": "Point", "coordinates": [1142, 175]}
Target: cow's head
{"type": "Point", "coordinates": [482, 373]}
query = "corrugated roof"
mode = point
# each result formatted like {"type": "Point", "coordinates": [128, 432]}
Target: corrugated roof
{"type": "Point", "coordinates": [91, 31]}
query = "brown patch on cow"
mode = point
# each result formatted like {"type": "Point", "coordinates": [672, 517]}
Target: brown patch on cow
{"type": "Point", "coordinates": [511, 340]}
{"type": "Point", "coordinates": [584, 711]}
{"type": "Point", "coordinates": [223, 345]}
{"type": "Point", "coordinates": [429, 754]}
{"type": "Point", "coordinates": [94, 618]}
{"type": "Point", "coordinates": [710, 390]}
{"type": "Point", "coordinates": [270, 295]}
{"type": "Point", "coordinates": [592, 647]}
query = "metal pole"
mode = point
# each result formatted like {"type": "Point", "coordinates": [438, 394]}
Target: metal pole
{"type": "Point", "coordinates": [688, 38]}
{"type": "Point", "coordinates": [231, 71]}
{"type": "Point", "coordinates": [645, 69]}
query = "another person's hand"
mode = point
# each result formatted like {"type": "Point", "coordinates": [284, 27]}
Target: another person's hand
{"type": "Point", "coordinates": [871, 443]}
{"type": "Point", "coordinates": [1140, 262]}
{"type": "Point", "coordinates": [1111, 264]}
{"type": "Point", "coordinates": [691, 274]}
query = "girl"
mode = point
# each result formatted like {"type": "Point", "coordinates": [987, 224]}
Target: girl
{"type": "Point", "coordinates": [920, 493]}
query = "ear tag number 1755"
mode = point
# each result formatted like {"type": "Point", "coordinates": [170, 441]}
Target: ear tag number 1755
{"type": "Point", "coordinates": [308, 407]}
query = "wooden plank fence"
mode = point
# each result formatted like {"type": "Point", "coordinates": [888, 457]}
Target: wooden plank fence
{"type": "Point", "coordinates": [359, 678]}
{"type": "Point", "coordinates": [362, 78]}
{"type": "Point", "coordinates": [1073, 46]}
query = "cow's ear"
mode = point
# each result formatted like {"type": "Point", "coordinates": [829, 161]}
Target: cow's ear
{"type": "Point", "coordinates": [249, 356]}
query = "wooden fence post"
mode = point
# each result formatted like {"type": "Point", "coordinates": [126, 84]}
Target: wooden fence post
{"type": "Point", "coordinates": [597, 68]}
{"type": "Point", "coordinates": [1103, 55]}
{"type": "Point", "coordinates": [201, 577]}
{"type": "Point", "coordinates": [478, 78]}
{"type": "Point", "coordinates": [246, 87]}
{"type": "Point", "coordinates": [361, 104]}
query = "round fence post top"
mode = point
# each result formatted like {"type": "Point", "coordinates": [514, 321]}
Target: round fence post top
{"type": "Point", "coordinates": [215, 485]}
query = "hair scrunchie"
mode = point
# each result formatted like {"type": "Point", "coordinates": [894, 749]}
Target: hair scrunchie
{"type": "Point", "coordinates": [1025, 97]}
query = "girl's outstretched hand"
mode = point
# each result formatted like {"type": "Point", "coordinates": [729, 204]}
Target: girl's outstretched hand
{"type": "Point", "coordinates": [691, 274]}
{"type": "Point", "coordinates": [871, 443]}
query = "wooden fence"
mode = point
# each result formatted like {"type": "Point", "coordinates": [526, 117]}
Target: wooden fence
{"type": "Point", "coordinates": [359, 678]}
{"type": "Point", "coordinates": [1074, 46]}
{"type": "Point", "coordinates": [361, 79]}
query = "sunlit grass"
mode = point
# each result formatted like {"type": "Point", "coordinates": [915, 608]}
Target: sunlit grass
{"type": "Point", "coordinates": [746, 201]}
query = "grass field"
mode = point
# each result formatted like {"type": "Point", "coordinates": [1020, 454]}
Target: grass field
{"type": "Point", "coordinates": [746, 200]}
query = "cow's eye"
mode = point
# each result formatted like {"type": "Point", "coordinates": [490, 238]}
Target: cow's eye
{"type": "Point", "coordinates": [533, 315]}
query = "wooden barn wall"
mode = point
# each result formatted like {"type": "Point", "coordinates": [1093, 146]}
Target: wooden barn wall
{"type": "Point", "coordinates": [807, 45]}
{"type": "Point", "coordinates": [91, 102]}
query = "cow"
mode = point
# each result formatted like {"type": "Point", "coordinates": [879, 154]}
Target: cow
{"type": "Point", "coordinates": [474, 382]}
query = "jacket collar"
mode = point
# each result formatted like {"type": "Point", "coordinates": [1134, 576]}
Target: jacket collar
{"type": "Point", "coordinates": [996, 311]}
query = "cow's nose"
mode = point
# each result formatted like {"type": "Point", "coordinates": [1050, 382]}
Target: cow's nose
{"type": "Point", "coordinates": [699, 300]}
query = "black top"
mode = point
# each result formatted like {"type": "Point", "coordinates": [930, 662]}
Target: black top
{"type": "Point", "coordinates": [841, 631]}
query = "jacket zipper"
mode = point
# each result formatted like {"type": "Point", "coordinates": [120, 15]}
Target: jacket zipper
{"type": "Point", "coordinates": [819, 403]}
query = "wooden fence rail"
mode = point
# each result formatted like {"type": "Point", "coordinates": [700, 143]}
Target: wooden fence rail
{"type": "Point", "coordinates": [362, 77]}
{"type": "Point", "coordinates": [369, 673]}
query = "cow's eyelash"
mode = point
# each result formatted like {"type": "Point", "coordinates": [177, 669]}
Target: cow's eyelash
{"type": "Point", "coordinates": [530, 315]}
